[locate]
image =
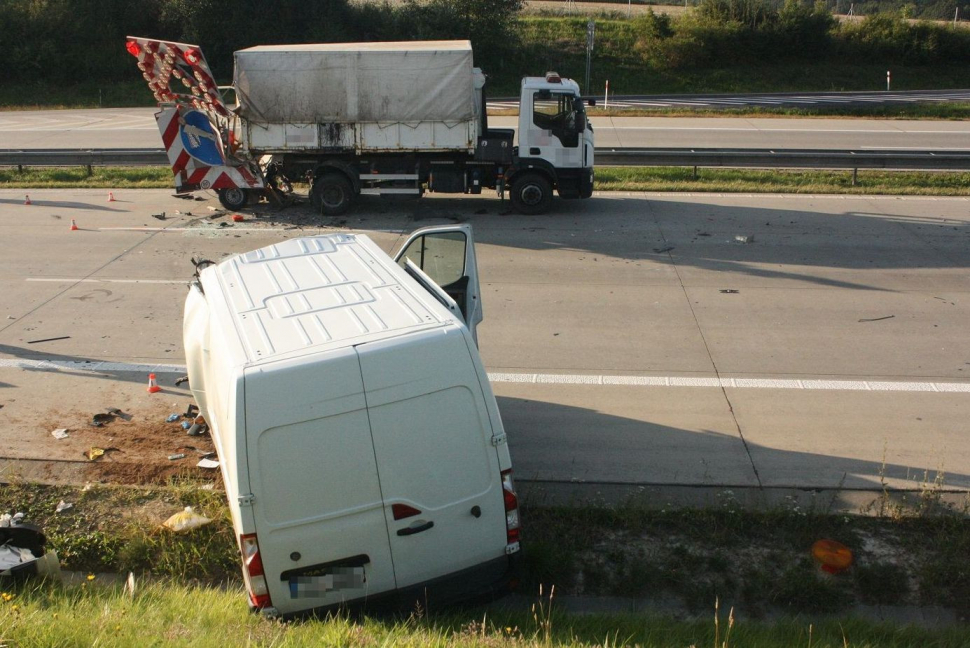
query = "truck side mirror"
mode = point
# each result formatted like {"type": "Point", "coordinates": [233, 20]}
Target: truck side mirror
{"type": "Point", "coordinates": [591, 101]}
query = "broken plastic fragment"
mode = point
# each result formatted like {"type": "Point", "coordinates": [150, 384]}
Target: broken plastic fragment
{"type": "Point", "coordinates": [60, 433]}
{"type": "Point", "coordinates": [207, 463]}
{"type": "Point", "coordinates": [186, 520]}
{"type": "Point", "coordinates": [63, 506]}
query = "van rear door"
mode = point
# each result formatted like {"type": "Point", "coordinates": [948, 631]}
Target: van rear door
{"type": "Point", "coordinates": [446, 254]}
{"type": "Point", "coordinates": [439, 472]}
{"type": "Point", "coordinates": [318, 508]}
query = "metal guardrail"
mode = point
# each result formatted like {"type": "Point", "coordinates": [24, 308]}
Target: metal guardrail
{"type": "Point", "coordinates": [758, 158]}
{"type": "Point", "coordinates": [83, 157]}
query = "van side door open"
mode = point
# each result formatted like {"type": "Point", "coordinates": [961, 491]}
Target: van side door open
{"type": "Point", "coordinates": [446, 254]}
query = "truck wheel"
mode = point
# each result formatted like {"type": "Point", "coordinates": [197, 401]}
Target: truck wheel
{"type": "Point", "coordinates": [531, 194]}
{"type": "Point", "coordinates": [233, 199]}
{"type": "Point", "coordinates": [332, 194]}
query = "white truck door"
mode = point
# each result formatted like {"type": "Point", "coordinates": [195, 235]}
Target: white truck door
{"type": "Point", "coordinates": [318, 507]}
{"type": "Point", "coordinates": [439, 472]}
{"type": "Point", "coordinates": [446, 254]}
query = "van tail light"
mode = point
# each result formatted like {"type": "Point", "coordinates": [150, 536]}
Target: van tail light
{"type": "Point", "coordinates": [511, 512]}
{"type": "Point", "coordinates": [253, 572]}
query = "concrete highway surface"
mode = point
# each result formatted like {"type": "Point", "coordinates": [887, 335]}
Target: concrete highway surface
{"type": "Point", "coordinates": [689, 347]}
{"type": "Point", "coordinates": [135, 128]}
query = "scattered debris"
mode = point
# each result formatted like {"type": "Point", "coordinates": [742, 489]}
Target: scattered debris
{"type": "Point", "coordinates": [663, 249]}
{"type": "Point", "coordinates": [96, 453]}
{"type": "Point", "coordinates": [159, 216]}
{"type": "Point", "coordinates": [60, 433]}
{"type": "Point", "coordinates": [186, 425]}
{"type": "Point", "coordinates": [207, 463]}
{"type": "Point", "coordinates": [179, 381]}
{"type": "Point", "coordinates": [186, 520]}
{"type": "Point", "coordinates": [198, 198]}
{"type": "Point", "coordinates": [117, 412]}
{"type": "Point", "coordinates": [191, 411]}
{"type": "Point", "coordinates": [703, 233]}
{"type": "Point", "coordinates": [730, 291]}
{"type": "Point", "coordinates": [100, 419]}
{"type": "Point", "coordinates": [63, 337]}
{"type": "Point", "coordinates": [172, 418]}
{"type": "Point", "coordinates": [834, 557]}
{"type": "Point", "coordinates": [213, 209]}
{"type": "Point", "coordinates": [743, 239]}
{"type": "Point", "coordinates": [176, 456]}
{"type": "Point", "coordinates": [237, 218]}
{"type": "Point", "coordinates": [63, 506]}
{"type": "Point", "coordinates": [130, 585]}
{"type": "Point", "coordinates": [878, 319]}
{"type": "Point", "coordinates": [22, 550]}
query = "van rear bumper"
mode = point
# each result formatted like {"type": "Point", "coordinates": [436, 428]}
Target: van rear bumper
{"type": "Point", "coordinates": [484, 582]}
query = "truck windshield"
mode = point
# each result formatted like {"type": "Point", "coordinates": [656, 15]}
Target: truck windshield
{"type": "Point", "coordinates": [556, 112]}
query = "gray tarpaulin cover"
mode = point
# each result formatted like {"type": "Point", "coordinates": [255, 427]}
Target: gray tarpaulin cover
{"type": "Point", "coordinates": [356, 82]}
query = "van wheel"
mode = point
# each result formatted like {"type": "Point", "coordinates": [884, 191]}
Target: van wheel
{"type": "Point", "coordinates": [531, 194]}
{"type": "Point", "coordinates": [332, 194]}
{"type": "Point", "coordinates": [233, 199]}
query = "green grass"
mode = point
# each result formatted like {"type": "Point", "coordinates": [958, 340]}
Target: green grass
{"type": "Point", "coordinates": [607, 179]}
{"type": "Point", "coordinates": [782, 181]}
{"type": "Point", "coordinates": [169, 614]}
{"type": "Point", "coordinates": [148, 177]}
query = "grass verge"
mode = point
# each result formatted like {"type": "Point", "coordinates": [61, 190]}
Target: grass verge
{"type": "Point", "coordinates": [607, 179]}
{"type": "Point", "coordinates": [175, 614]}
{"type": "Point", "coordinates": [756, 561]}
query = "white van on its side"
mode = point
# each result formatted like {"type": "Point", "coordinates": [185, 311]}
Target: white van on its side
{"type": "Point", "coordinates": [360, 443]}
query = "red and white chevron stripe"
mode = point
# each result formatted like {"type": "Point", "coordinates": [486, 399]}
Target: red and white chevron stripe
{"type": "Point", "coordinates": [190, 174]}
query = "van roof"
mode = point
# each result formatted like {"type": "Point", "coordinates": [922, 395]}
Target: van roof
{"type": "Point", "coordinates": [307, 295]}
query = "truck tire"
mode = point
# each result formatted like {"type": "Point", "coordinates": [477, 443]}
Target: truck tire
{"type": "Point", "coordinates": [332, 194]}
{"type": "Point", "coordinates": [233, 199]}
{"type": "Point", "coordinates": [531, 194]}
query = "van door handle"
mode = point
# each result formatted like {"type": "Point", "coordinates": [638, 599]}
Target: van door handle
{"type": "Point", "coordinates": [416, 529]}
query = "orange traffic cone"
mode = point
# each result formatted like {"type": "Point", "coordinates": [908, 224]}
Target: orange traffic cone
{"type": "Point", "coordinates": [111, 197]}
{"type": "Point", "coordinates": [152, 385]}
{"type": "Point", "coordinates": [27, 200]}
{"type": "Point", "coordinates": [74, 226]}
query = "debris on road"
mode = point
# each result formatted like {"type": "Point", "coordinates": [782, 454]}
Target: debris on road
{"type": "Point", "coordinates": [186, 425]}
{"type": "Point", "coordinates": [878, 319]}
{"type": "Point", "coordinates": [117, 412]}
{"type": "Point", "coordinates": [192, 410]}
{"type": "Point", "coordinates": [102, 418]}
{"type": "Point", "coordinates": [833, 557]}
{"type": "Point", "coordinates": [176, 456]}
{"type": "Point", "coordinates": [63, 506]}
{"type": "Point", "coordinates": [207, 463]}
{"type": "Point", "coordinates": [186, 521]}
{"type": "Point", "coordinates": [179, 381]}
{"type": "Point", "coordinates": [159, 216]}
{"type": "Point", "coordinates": [63, 337]}
{"type": "Point", "coordinates": [172, 418]}
{"type": "Point", "coordinates": [743, 239]}
{"type": "Point", "coordinates": [730, 291]}
{"type": "Point", "coordinates": [96, 453]}
{"type": "Point", "coordinates": [237, 218]}
{"type": "Point", "coordinates": [60, 433]}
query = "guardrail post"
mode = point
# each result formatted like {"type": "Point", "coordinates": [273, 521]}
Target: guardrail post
{"type": "Point", "coordinates": [695, 173]}
{"type": "Point", "coordinates": [855, 176]}
{"type": "Point", "coordinates": [90, 170]}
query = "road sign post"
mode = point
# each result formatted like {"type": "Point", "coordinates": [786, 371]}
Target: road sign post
{"type": "Point", "coordinates": [590, 30]}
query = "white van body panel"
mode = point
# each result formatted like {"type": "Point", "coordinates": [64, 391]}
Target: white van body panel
{"type": "Point", "coordinates": [335, 387]}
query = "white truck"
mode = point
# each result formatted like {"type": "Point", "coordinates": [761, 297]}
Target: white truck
{"type": "Point", "coordinates": [361, 446]}
{"type": "Point", "coordinates": [363, 118]}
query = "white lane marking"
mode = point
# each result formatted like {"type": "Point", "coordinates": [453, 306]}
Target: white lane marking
{"type": "Point", "coordinates": [127, 281]}
{"type": "Point", "coordinates": [567, 379]}
{"type": "Point", "coordinates": [268, 229]}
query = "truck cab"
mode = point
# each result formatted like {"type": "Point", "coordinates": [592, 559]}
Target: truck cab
{"type": "Point", "coordinates": [555, 144]}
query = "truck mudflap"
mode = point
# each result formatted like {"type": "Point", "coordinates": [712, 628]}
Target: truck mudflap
{"type": "Point", "coordinates": [196, 126]}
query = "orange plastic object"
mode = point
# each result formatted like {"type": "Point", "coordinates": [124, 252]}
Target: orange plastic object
{"type": "Point", "coordinates": [237, 218]}
{"type": "Point", "coordinates": [834, 556]}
